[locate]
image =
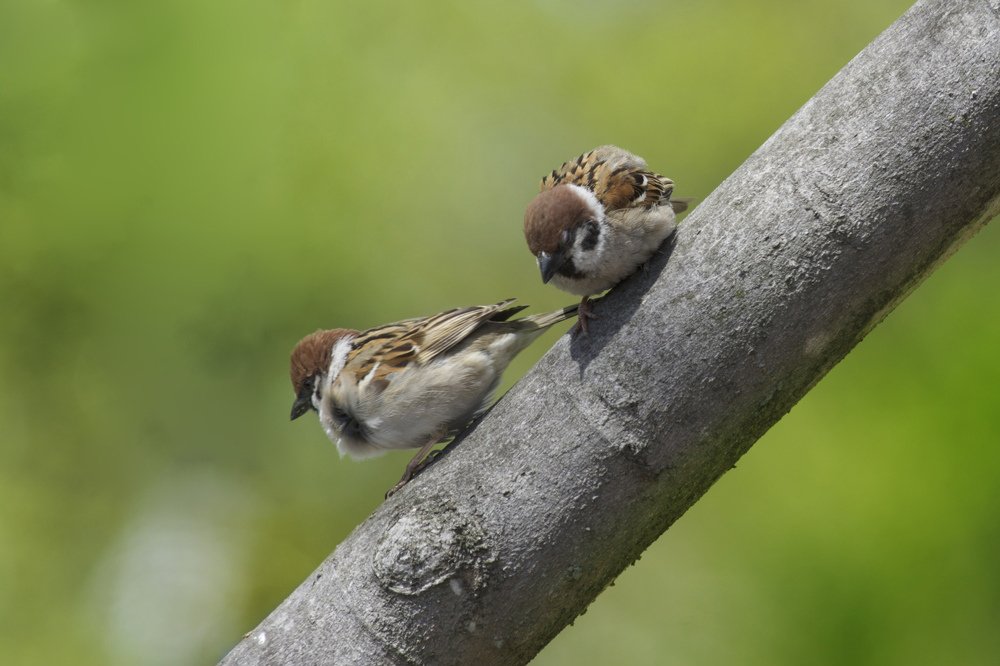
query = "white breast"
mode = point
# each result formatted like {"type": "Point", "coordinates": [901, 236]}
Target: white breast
{"type": "Point", "coordinates": [628, 239]}
{"type": "Point", "coordinates": [418, 402]}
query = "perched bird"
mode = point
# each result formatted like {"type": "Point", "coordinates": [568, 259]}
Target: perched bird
{"type": "Point", "coordinates": [413, 383]}
{"type": "Point", "coordinates": [596, 219]}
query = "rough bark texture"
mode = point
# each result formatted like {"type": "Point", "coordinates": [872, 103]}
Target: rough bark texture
{"type": "Point", "coordinates": [490, 552]}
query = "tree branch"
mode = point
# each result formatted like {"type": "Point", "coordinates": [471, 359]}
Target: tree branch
{"type": "Point", "coordinates": [490, 552]}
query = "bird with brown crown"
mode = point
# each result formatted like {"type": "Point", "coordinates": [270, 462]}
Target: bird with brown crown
{"type": "Point", "coordinates": [596, 219]}
{"type": "Point", "coordinates": [410, 384]}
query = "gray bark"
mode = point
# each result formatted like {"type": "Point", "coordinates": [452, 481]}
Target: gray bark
{"type": "Point", "coordinates": [496, 547]}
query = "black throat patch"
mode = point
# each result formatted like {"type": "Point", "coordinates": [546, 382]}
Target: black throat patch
{"type": "Point", "coordinates": [568, 269]}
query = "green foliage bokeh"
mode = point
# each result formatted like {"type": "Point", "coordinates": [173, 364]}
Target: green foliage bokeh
{"type": "Point", "coordinates": [187, 188]}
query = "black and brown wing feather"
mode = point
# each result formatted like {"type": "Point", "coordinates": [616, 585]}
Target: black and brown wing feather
{"type": "Point", "coordinates": [618, 178]}
{"type": "Point", "coordinates": [392, 347]}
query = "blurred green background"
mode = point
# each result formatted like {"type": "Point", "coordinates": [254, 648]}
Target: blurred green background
{"type": "Point", "coordinates": [186, 188]}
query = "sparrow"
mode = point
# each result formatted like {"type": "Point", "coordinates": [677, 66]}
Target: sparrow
{"type": "Point", "coordinates": [413, 383]}
{"type": "Point", "coordinates": [596, 219]}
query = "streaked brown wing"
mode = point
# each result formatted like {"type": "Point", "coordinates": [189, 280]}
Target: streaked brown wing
{"type": "Point", "coordinates": [394, 346]}
{"type": "Point", "coordinates": [634, 187]}
{"type": "Point", "coordinates": [442, 332]}
{"type": "Point", "coordinates": [390, 347]}
{"type": "Point", "coordinates": [618, 178]}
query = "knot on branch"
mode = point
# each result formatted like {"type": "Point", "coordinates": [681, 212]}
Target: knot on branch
{"type": "Point", "coordinates": [430, 543]}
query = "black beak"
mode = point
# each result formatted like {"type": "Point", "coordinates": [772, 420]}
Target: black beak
{"type": "Point", "coordinates": [549, 264]}
{"type": "Point", "coordinates": [302, 404]}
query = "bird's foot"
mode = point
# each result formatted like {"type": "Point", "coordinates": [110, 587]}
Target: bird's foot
{"type": "Point", "coordinates": [583, 313]}
{"type": "Point", "coordinates": [423, 458]}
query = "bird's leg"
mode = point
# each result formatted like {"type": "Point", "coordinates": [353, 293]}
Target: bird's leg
{"type": "Point", "coordinates": [583, 313]}
{"type": "Point", "coordinates": [418, 462]}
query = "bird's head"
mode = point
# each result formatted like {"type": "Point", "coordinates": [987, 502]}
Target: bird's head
{"type": "Point", "coordinates": [563, 228]}
{"type": "Point", "coordinates": [311, 365]}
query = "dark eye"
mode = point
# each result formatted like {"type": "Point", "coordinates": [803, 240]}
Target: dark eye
{"type": "Point", "coordinates": [309, 384]}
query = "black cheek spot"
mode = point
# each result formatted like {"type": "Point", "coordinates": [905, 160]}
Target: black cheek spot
{"type": "Point", "coordinates": [592, 234]}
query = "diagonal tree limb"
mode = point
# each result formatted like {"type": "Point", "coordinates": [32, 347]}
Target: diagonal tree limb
{"type": "Point", "coordinates": [490, 552]}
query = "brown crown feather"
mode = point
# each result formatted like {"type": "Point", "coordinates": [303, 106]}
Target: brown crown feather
{"type": "Point", "coordinates": [313, 354]}
{"type": "Point", "coordinates": [549, 214]}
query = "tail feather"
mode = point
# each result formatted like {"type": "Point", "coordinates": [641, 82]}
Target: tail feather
{"type": "Point", "coordinates": [680, 205]}
{"type": "Point", "coordinates": [547, 319]}
{"type": "Point", "coordinates": [504, 315]}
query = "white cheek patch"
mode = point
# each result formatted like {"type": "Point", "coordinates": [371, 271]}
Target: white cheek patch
{"type": "Point", "coordinates": [593, 204]}
{"type": "Point", "coordinates": [340, 351]}
{"type": "Point", "coordinates": [339, 359]}
{"type": "Point", "coordinates": [587, 255]}
{"type": "Point", "coordinates": [589, 260]}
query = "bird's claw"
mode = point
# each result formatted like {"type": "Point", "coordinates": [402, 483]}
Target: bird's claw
{"type": "Point", "coordinates": [583, 313]}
